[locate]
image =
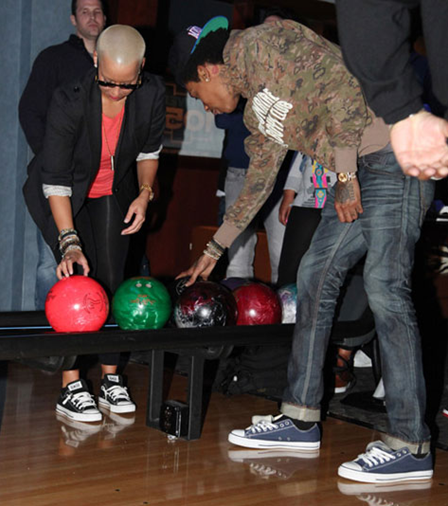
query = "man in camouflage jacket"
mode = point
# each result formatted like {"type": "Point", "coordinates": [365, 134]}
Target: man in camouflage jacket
{"type": "Point", "coordinates": [300, 96]}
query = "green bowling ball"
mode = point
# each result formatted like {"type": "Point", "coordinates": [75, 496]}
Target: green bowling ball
{"type": "Point", "coordinates": [141, 303]}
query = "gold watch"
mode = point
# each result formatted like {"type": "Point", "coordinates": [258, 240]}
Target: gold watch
{"type": "Point", "coordinates": [146, 186]}
{"type": "Point", "coordinates": [345, 177]}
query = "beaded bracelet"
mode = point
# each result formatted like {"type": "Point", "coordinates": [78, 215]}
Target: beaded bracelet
{"type": "Point", "coordinates": [211, 254]}
{"type": "Point", "coordinates": [71, 247]}
{"type": "Point", "coordinates": [213, 243]}
{"type": "Point", "coordinates": [65, 232]}
{"type": "Point", "coordinates": [68, 241]}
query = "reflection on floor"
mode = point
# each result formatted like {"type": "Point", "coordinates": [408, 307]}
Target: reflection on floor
{"type": "Point", "coordinates": [46, 460]}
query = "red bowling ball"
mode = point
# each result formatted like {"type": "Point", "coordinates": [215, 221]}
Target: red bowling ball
{"type": "Point", "coordinates": [77, 304]}
{"type": "Point", "coordinates": [257, 305]}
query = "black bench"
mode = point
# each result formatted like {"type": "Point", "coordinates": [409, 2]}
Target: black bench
{"type": "Point", "coordinates": [26, 335]}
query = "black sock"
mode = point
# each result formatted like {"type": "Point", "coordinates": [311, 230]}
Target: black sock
{"type": "Point", "coordinates": [301, 425]}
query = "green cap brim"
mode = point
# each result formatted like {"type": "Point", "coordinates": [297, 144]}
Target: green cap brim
{"type": "Point", "coordinates": [211, 26]}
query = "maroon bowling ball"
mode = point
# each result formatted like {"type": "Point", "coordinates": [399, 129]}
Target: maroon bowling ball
{"type": "Point", "coordinates": [257, 305]}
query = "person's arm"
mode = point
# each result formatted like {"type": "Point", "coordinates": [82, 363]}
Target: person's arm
{"type": "Point", "coordinates": [146, 175]}
{"type": "Point", "coordinates": [57, 178]}
{"type": "Point", "coordinates": [35, 100]}
{"type": "Point", "coordinates": [266, 158]}
{"type": "Point", "coordinates": [375, 41]}
{"type": "Point", "coordinates": [70, 245]}
{"type": "Point", "coordinates": [148, 162]}
{"type": "Point", "coordinates": [375, 38]}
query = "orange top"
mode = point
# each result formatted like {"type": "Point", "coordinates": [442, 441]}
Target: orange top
{"type": "Point", "coordinates": [110, 132]}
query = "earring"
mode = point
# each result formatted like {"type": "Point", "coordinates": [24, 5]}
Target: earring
{"type": "Point", "coordinates": [207, 79]}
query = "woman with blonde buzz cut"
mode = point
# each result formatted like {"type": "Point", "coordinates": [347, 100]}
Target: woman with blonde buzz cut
{"type": "Point", "coordinates": [89, 188]}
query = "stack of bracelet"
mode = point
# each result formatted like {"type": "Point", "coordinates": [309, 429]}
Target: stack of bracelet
{"type": "Point", "coordinates": [214, 250]}
{"type": "Point", "coordinates": [68, 241]}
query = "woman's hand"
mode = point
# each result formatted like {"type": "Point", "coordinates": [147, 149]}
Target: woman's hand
{"type": "Point", "coordinates": [285, 206]}
{"type": "Point", "coordinates": [202, 267]}
{"type": "Point", "coordinates": [65, 268]}
{"type": "Point", "coordinates": [137, 212]}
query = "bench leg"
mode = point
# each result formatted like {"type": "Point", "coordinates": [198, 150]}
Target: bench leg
{"type": "Point", "coordinates": [195, 392]}
{"type": "Point", "coordinates": [155, 390]}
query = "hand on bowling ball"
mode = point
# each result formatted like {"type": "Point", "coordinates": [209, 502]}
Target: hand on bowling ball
{"type": "Point", "coordinates": [65, 268]}
{"type": "Point", "coordinates": [202, 267]}
{"type": "Point", "coordinates": [137, 209]}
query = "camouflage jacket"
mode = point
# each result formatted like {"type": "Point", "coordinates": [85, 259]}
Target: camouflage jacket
{"type": "Point", "coordinates": [300, 96]}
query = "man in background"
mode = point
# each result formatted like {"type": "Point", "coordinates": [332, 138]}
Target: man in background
{"type": "Point", "coordinates": [54, 66]}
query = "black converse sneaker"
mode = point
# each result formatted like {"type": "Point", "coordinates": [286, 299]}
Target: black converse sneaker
{"type": "Point", "coordinates": [77, 403]}
{"type": "Point", "coordinates": [114, 395]}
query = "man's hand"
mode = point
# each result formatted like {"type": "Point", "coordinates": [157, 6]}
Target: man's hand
{"type": "Point", "coordinates": [65, 268]}
{"type": "Point", "coordinates": [202, 267]}
{"type": "Point", "coordinates": [285, 206]}
{"type": "Point", "coordinates": [420, 145]}
{"type": "Point", "coordinates": [348, 201]}
{"type": "Point", "coordinates": [137, 209]}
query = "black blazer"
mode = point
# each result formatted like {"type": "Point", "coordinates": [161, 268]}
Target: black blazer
{"type": "Point", "coordinates": [72, 145]}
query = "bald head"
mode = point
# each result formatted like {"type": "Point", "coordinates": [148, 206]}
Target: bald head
{"type": "Point", "coordinates": [122, 45]}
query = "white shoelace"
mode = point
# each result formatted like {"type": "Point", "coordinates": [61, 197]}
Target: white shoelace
{"type": "Point", "coordinates": [118, 392]}
{"type": "Point", "coordinates": [81, 400]}
{"type": "Point", "coordinates": [376, 456]}
{"type": "Point", "coordinates": [262, 426]}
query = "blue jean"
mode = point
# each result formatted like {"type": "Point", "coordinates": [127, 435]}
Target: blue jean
{"type": "Point", "coordinates": [45, 273]}
{"type": "Point", "coordinates": [394, 208]}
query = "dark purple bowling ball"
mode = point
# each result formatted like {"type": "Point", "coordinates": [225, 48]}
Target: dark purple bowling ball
{"type": "Point", "coordinates": [257, 305]}
{"type": "Point", "coordinates": [205, 304]}
{"type": "Point", "coordinates": [234, 283]}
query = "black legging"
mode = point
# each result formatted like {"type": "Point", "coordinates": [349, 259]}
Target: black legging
{"type": "Point", "coordinates": [302, 223]}
{"type": "Point", "coordinates": [99, 224]}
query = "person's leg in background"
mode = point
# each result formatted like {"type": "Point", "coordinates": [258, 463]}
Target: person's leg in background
{"type": "Point", "coordinates": [275, 230]}
{"type": "Point", "coordinates": [302, 224]}
{"type": "Point", "coordinates": [241, 253]}
{"type": "Point", "coordinates": [45, 272]}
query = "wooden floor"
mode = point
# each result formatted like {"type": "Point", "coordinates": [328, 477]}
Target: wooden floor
{"type": "Point", "coordinates": [46, 462]}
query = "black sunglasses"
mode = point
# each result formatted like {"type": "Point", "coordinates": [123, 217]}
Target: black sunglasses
{"type": "Point", "coordinates": [108, 84]}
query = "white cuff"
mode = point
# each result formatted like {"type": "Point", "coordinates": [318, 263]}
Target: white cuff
{"type": "Point", "coordinates": [149, 156]}
{"type": "Point", "coordinates": [52, 190]}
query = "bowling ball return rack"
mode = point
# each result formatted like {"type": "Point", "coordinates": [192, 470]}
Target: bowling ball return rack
{"type": "Point", "coordinates": [26, 337]}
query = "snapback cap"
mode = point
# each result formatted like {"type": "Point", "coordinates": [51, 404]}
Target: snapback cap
{"type": "Point", "coordinates": [186, 42]}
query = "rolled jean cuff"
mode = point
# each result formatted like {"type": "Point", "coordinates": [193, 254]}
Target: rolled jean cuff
{"type": "Point", "coordinates": [415, 448]}
{"type": "Point", "coordinates": [302, 413]}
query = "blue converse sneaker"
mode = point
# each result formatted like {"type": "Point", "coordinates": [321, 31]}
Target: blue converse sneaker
{"type": "Point", "coordinates": [276, 432]}
{"type": "Point", "coordinates": [380, 464]}
{"type": "Point", "coordinates": [114, 395]}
